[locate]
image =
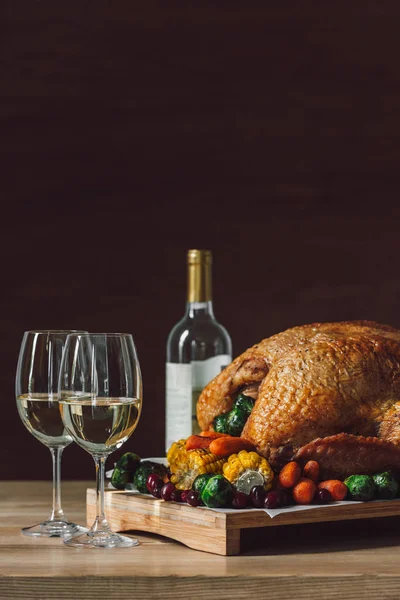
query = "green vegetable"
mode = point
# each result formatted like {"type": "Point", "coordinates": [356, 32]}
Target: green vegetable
{"type": "Point", "coordinates": [145, 468]}
{"type": "Point", "coordinates": [361, 487]}
{"type": "Point", "coordinates": [235, 421]}
{"type": "Point", "coordinates": [120, 478]}
{"type": "Point", "coordinates": [219, 423]}
{"type": "Point", "coordinates": [386, 484]}
{"type": "Point", "coordinates": [128, 462]}
{"type": "Point", "coordinates": [200, 481]}
{"type": "Point", "coordinates": [217, 492]}
{"type": "Point", "coordinates": [244, 403]}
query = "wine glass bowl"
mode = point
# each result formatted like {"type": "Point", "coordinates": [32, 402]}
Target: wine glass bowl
{"type": "Point", "coordinates": [100, 395]}
{"type": "Point", "coordinates": [37, 404]}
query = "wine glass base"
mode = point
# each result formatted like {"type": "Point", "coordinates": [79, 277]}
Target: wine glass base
{"type": "Point", "coordinates": [63, 529]}
{"type": "Point", "coordinates": [101, 539]}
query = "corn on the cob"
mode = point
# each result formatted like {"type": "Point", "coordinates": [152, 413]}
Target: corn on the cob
{"type": "Point", "coordinates": [186, 465]}
{"type": "Point", "coordinates": [245, 469]}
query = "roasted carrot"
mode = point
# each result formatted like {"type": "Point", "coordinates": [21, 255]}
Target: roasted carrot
{"type": "Point", "coordinates": [290, 474]}
{"type": "Point", "coordinates": [224, 446]}
{"type": "Point", "coordinates": [311, 470]}
{"type": "Point", "coordinates": [212, 434]}
{"type": "Point", "coordinates": [194, 442]}
{"type": "Point", "coordinates": [337, 489]}
{"type": "Point", "coordinates": [304, 491]}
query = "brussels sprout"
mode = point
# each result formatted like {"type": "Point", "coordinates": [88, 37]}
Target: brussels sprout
{"type": "Point", "coordinates": [145, 468]}
{"type": "Point", "coordinates": [217, 492]}
{"type": "Point", "coordinates": [361, 487]}
{"type": "Point", "coordinates": [219, 423]}
{"type": "Point", "coordinates": [120, 478]}
{"type": "Point", "coordinates": [235, 421]}
{"type": "Point", "coordinates": [200, 481]}
{"type": "Point", "coordinates": [244, 403]}
{"type": "Point", "coordinates": [386, 484]}
{"type": "Point", "coordinates": [128, 462]}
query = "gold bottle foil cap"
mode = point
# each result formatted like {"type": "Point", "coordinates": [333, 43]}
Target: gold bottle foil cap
{"type": "Point", "coordinates": [195, 257]}
{"type": "Point", "coordinates": [199, 275]}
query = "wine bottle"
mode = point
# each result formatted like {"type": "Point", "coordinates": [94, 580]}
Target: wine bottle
{"type": "Point", "coordinates": [198, 348]}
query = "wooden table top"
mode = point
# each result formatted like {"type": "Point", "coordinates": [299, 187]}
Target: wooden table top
{"type": "Point", "coordinates": [340, 562]}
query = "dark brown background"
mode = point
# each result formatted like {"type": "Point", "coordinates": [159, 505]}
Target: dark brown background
{"type": "Point", "coordinates": [132, 131]}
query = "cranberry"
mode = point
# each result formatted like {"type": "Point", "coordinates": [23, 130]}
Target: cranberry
{"type": "Point", "coordinates": [184, 494]}
{"type": "Point", "coordinates": [323, 497]}
{"type": "Point", "coordinates": [193, 498]}
{"type": "Point", "coordinates": [156, 490]}
{"type": "Point", "coordinates": [273, 499]}
{"type": "Point", "coordinates": [153, 480]}
{"type": "Point", "coordinates": [166, 491]}
{"type": "Point", "coordinates": [240, 500]}
{"type": "Point", "coordinates": [176, 496]}
{"type": "Point", "coordinates": [257, 496]}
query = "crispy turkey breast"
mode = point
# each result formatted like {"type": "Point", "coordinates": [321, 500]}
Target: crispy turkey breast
{"type": "Point", "coordinates": [314, 381]}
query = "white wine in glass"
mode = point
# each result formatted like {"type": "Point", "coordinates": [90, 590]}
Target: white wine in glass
{"type": "Point", "coordinates": [101, 425]}
{"type": "Point", "coordinates": [37, 403]}
{"type": "Point", "coordinates": [100, 395]}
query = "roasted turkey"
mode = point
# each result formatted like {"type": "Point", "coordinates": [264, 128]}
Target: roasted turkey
{"type": "Point", "coordinates": [325, 391]}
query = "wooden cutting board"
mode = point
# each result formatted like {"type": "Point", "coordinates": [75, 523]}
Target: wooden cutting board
{"type": "Point", "coordinates": [216, 531]}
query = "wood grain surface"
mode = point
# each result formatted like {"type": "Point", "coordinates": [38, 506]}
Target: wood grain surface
{"type": "Point", "coordinates": [355, 562]}
{"type": "Point", "coordinates": [131, 132]}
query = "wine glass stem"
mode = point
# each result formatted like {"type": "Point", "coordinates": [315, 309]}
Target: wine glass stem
{"type": "Point", "coordinates": [100, 523]}
{"type": "Point", "coordinates": [57, 513]}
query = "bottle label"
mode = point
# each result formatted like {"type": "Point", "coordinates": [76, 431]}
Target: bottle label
{"type": "Point", "coordinates": [179, 402]}
{"type": "Point", "coordinates": [184, 383]}
{"type": "Point", "coordinates": [205, 370]}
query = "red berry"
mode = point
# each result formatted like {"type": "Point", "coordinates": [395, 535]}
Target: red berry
{"type": "Point", "coordinates": [176, 496]}
{"type": "Point", "coordinates": [273, 499]}
{"type": "Point", "coordinates": [193, 498]}
{"type": "Point", "coordinates": [153, 480]}
{"type": "Point", "coordinates": [184, 494]}
{"type": "Point", "coordinates": [323, 497]}
{"type": "Point", "coordinates": [257, 496]}
{"type": "Point", "coordinates": [157, 487]}
{"type": "Point", "coordinates": [156, 492]}
{"type": "Point", "coordinates": [166, 491]}
{"type": "Point", "coordinates": [240, 500]}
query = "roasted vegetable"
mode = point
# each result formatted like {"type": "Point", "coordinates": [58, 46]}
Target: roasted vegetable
{"type": "Point", "coordinates": [290, 474]}
{"type": "Point", "coordinates": [229, 444]}
{"type": "Point", "coordinates": [219, 423]}
{"type": "Point", "coordinates": [247, 469]}
{"type": "Point", "coordinates": [244, 403]}
{"type": "Point", "coordinates": [232, 422]}
{"type": "Point", "coordinates": [120, 478]}
{"type": "Point", "coordinates": [145, 468]}
{"type": "Point", "coordinates": [217, 492]}
{"type": "Point", "coordinates": [304, 491]}
{"type": "Point", "coordinates": [361, 487]}
{"type": "Point", "coordinates": [200, 482]}
{"type": "Point", "coordinates": [186, 465]}
{"type": "Point", "coordinates": [235, 421]}
{"type": "Point", "coordinates": [337, 489]}
{"type": "Point", "coordinates": [386, 485]}
{"type": "Point", "coordinates": [128, 462]}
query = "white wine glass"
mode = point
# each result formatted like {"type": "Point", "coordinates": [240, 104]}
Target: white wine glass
{"type": "Point", "coordinates": [36, 388]}
{"type": "Point", "coordinates": [100, 395]}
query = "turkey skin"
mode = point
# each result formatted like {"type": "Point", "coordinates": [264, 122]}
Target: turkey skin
{"type": "Point", "coordinates": [314, 382]}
